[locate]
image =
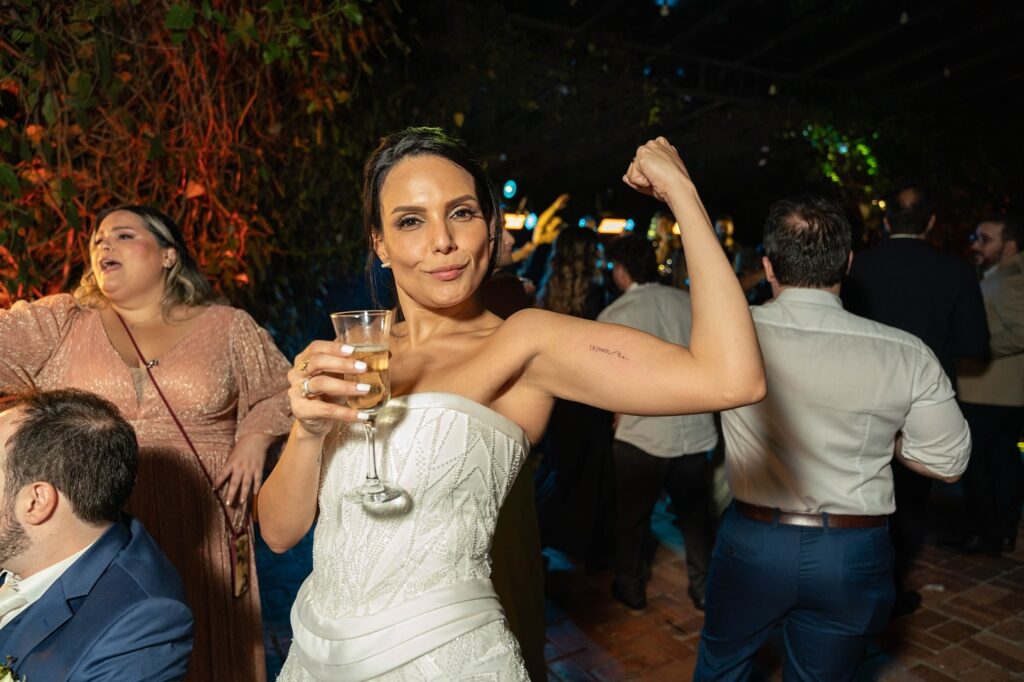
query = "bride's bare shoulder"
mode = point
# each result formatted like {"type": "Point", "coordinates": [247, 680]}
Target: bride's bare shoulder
{"type": "Point", "coordinates": [532, 316]}
{"type": "Point", "coordinates": [535, 321]}
{"type": "Point", "coordinates": [527, 327]}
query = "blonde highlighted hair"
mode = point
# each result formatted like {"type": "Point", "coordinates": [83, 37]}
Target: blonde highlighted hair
{"type": "Point", "coordinates": [184, 282]}
{"type": "Point", "coordinates": [572, 271]}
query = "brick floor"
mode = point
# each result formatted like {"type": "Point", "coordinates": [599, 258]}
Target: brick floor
{"type": "Point", "coordinates": [970, 627]}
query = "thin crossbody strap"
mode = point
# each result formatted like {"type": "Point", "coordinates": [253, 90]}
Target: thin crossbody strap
{"type": "Point", "coordinates": [206, 472]}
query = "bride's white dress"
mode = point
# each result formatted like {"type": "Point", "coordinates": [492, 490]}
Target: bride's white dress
{"type": "Point", "coordinates": [410, 598]}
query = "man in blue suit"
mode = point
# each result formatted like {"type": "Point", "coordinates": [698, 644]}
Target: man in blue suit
{"type": "Point", "coordinates": [87, 593]}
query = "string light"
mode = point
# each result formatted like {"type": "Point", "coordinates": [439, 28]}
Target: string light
{"type": "Point", "coordinates": [515, 221]}
{"type": "Point", "coordinates": [665, 6]}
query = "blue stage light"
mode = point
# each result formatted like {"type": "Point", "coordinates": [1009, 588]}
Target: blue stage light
{"type": "Point", "coordinates": [531, 221]}
{"type": "Point", "coordinates": [630, 225]}
{"type": "Point", "coordinates": [510, 188]}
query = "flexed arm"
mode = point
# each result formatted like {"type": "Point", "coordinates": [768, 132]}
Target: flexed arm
{"type": "Point", "coordinates": [623, 370]}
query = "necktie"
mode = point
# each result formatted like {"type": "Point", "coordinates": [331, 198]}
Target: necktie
{"type": "Point", "coordinates": [9, 597]}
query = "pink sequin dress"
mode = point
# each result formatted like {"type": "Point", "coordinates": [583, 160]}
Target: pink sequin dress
{"type": "Point", "coordinates": [225, 379]}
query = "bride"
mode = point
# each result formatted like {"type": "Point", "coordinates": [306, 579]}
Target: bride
{"type": "Point", "coordinates": [409, 597]}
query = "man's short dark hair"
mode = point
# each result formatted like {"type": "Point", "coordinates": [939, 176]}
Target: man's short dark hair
{"type": "Point", "coordinates": [807, 240]}
{"type": "Point", "coordinates": [1013, 231]}
{"type": "Point", "coordinates": [909, 211]}
{"type": "Point", "coordinates": [79, 443]}
{"type": "Point", "coordinates": [635, 253]}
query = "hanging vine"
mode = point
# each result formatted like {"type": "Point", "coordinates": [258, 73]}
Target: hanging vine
{"type": "Point", "coordinates": [217, 112]}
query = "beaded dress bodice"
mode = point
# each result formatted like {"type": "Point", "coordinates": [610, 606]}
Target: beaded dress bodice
{"type": "Point", "coordinates": [456, 459]}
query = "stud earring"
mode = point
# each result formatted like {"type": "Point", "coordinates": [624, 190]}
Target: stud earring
{"type": "Point", "coordinates": [386, 266]}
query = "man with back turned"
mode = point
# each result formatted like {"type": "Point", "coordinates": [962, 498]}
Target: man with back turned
{"type": "Point", "coordinates": [905, 283]}
{"type": "Point", "coordinates": [805, 545]}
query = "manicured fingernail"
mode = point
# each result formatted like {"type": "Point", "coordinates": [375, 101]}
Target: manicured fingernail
{"type": "Point", "coordinates": [363, 388]}
{"type": "Point", "coordinates": [363, 416]}
{"type": "Point", "coordinates": [360, 366]}
{"type": "Point", "coordinates": [347, 349]}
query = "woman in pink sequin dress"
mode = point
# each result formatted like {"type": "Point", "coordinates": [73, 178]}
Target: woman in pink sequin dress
{"type": "Point", "coordinates": [220, 372]}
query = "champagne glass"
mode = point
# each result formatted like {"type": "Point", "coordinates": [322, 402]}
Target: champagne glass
{"type": "Point", "coordinates": [369, 332]}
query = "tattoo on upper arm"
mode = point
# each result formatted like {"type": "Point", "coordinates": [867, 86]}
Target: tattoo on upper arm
{"type": "Point", "coordinates": [608, 351]}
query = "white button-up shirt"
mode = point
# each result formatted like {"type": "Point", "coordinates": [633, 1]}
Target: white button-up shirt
{"type": "Point", "coordinates": [35, 586]}
{"type": "Point", "coordinates": [664, 312]}
{"type": "Point", "coordinates": [840, 388]}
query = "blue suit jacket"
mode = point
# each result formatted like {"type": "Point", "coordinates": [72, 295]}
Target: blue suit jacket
{"type": "Point", "coordinates": [118, 613]}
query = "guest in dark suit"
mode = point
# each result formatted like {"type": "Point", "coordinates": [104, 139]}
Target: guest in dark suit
{"type": "Point", "coordinates": [87, 593]}
{"type": "Point", "coordinates": [905, 283]}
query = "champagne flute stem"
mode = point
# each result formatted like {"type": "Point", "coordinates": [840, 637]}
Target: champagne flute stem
{"type": "Point", "coordinates": [370, 429]}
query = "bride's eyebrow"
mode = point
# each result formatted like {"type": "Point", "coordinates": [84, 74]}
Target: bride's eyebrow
{"type": "Point", "coordinates": [407, 209]}
{"type": "Point", "coordinates": [420, 209]}
{"type": "Point", "coordinates": [461, 200]}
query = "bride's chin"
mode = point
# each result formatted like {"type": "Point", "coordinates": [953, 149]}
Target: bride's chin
{"type": "Point", "coordinates": [437, 300]}
{"type": "Point", "coordinates": [440, 304]}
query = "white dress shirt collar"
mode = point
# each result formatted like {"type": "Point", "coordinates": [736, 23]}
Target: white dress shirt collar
{"type": "Point", "coordinates": [35, 586]}
{"type": "Point", "coordinates": [637, 285]}
{"type": "Point", "coordinates": [804, 295]}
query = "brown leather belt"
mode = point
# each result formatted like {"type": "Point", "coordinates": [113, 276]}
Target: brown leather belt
{"type": "Point", "coordinates": [769, 515]}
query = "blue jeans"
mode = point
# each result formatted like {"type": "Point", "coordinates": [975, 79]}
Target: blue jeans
{"type": "Point", "coordinates": [830, 589]}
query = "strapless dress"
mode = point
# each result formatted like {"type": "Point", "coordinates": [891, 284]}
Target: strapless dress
{"type": "Point", "coordinates": [409, 597]}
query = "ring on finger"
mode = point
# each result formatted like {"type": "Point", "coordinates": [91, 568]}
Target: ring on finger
{"type": "Point", "coordinates": [307, 393]}
{"type": "Point", "coordinates": [304, 367]}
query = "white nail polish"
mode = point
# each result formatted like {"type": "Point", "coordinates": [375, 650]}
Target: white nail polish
{"type": "Point", "coordinates": [347, 349]}
{"type": "Point", "coordinates": [363, 388]}
{"type": "Point", "coordinates": [363, 416]}
{"type": "Point", "coordinates": [360, 366]}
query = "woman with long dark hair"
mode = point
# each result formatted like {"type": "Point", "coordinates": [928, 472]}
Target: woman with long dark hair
{"type": "Point", "coordinates": [573, 283]}
{"type": "Point", "coordinates": [577, 488]}
{"type": "Point", "coordinates": [408, 597]}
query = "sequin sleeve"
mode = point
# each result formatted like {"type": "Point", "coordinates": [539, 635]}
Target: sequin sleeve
{"type": "Point", "coordinates": [261, 372]}
{"type": "Point", "coordinates": [30, 333]}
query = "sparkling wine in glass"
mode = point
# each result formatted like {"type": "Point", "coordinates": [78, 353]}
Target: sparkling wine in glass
{"type": "Point", "coordinates": [368, 332]}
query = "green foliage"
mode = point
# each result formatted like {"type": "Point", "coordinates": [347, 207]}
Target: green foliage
{"type": "Point", "coordinates": [845, 159]}
{"type": "Point", "coordinates": [234, 118]}
{"type": "Point", "coordinates": [249, 121]}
